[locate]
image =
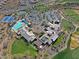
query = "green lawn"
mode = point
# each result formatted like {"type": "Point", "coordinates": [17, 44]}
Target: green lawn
{"type": "Point", "coordinates": [73, 16]}
{"type": "Point", "coordinates": [22, 47]}
{"type": "Point", "coordinates": [67, 26]}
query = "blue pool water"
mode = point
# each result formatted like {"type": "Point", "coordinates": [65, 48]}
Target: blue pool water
{"type": "Point", "coordinates": [25, 21]}
{"type": "Point", "coordinates": [17, 26]}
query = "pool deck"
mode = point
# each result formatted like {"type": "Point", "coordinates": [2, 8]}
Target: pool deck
{"type": "Point", "coordinates": [20, 24]}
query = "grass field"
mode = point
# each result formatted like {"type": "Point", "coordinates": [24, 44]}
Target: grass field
{"type": "Point", "coordinates": [22, 47]}
{"type": "Point", "coordinates": [67, 26]}
{"type": "Point", "coordinates": [73, 16]}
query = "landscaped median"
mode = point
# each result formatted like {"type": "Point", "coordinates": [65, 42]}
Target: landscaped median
{"type": "Point", "coordinates": [21, 47]}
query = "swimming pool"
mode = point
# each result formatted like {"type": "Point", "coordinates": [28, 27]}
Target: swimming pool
{"type": "Point", "coordinates": [17, 26]}
{"type": "Point", "coordinates": [25, 21]}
